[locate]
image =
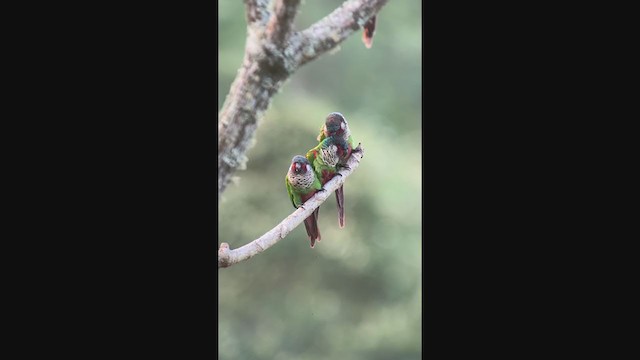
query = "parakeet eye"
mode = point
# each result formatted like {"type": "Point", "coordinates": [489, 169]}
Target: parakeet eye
{"type": "Point", "coordinates": [308, 167]}
{"type": "Point", "coordinates": [342, 125]}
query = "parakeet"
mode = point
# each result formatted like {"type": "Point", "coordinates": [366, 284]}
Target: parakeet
{"type": "Point", "coordinates": [336, 126]}
{"type": "Point", "coordinates": [326, 159]}
{"type": "Point", "coordinates": [302, 183]}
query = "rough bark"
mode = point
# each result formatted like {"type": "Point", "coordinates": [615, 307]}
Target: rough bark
{"type": "Point", "coordinates": [228, 257]}
{"type": "Point", "coordinates": [281, 24]}
{"type": "Point", "coordinates": [273, 52]}
{"type": "Point", "coordinates": [257, 13]}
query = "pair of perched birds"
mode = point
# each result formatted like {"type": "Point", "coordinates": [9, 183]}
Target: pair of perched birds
{"type": "Point", "coordinates": [307, 175]}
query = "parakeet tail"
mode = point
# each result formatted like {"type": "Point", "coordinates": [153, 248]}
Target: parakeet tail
{"type": "Point", "coordinates": [312, 228]}
{"type": "Point", "coordinates": [316, 213]}
{"type": "Point", "coordinates": [340, 202]}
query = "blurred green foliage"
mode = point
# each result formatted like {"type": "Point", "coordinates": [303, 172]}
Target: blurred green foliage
{"type": "Point", "coordinates": [357, 294]}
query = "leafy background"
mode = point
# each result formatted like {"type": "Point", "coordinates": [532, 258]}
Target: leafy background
{"type": "Point", "coordinates": [357, 294]}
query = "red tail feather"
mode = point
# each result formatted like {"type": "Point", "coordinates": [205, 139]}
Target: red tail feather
{"type": "Point", "coordinates": [311, 225]}
{"type": "Point", "coordinates": [340, 202]}
{"type": "Point", "coordinates": [315, 222]}
{"type": "Point", "coordinates": [311, 229]}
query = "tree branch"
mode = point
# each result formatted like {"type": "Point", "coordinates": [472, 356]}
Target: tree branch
{"type": "Point", "coordinates": [227, 257]}
{"type": "Point", "coordinates": [257, 13]}
{"type": "Point", "coordinates": [272, 54]}
{"type": "Point", "coordinates": [248, 99]}
{"type": "Point", "coordinates": [281, 24]}
{"type": "Point", "coordinates": [333, 29]}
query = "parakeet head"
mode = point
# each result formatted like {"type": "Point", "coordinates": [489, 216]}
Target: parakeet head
{"type": "Point", "coordinates": [300, 165]}
{"type": "Point", "coordinates": [335, 124]}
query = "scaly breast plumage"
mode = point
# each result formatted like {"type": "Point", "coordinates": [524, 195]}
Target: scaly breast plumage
{"type": "Point", "coordinates": [330, 156]}
{"type": "Point", "coordinates": [301, 181]}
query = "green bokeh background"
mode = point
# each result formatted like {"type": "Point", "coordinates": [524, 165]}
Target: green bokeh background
{"type": "Point", "coordinates": [357, 294]}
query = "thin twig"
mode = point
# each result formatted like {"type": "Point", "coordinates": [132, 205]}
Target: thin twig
{"type": "Point", "coordinates": [228, 257]}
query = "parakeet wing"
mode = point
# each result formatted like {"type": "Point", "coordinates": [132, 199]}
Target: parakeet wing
{"type": "Point", "coordinates": [316, 182]}
{"type": "Point", "coordinates": [351, 142]}
{"type": "Point", "coordinates": [321, 135]}
{"type": "Point", "coordinates": [315, 160]}
{"type": "Point", "coordinates": [291, 192]}
{"type": "Point", "coordinates": [311, 155]}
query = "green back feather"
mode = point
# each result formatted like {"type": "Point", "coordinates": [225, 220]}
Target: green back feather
{"type": "Point", "coordinates": [316, 161]}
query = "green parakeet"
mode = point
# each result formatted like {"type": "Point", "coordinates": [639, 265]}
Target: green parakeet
{"type": "Point", "coordinates": [302, 183]}
{"type": "Point", "coordinates": [326, 159]}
